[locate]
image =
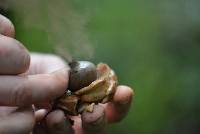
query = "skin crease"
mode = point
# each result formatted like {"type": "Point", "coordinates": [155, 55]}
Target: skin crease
{"type": "Point", "coordinates": [29, 82]}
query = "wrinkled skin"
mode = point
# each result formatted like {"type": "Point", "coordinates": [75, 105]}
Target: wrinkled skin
{"type": "Point", "coordinates": [29, 82]}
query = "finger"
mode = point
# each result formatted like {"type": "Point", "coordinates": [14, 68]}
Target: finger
{"type": "Point", "coordinates": [20, 91]}
{"type": "Point", "coordinates": [40, 114]}
{"type": "Point", "coordinates": [57, 123]}
{"type": "Point", "coordinates": [117, 110]}
{"type": "Point", "coordinates": [14, 57]}
{"type": "Point", "coordinates": [94, 122]}
{"type": "Point", "coordinates": [40, 126]}
{"type": "Point", "coordinates": [6, 27]}
{"type": "Point", "coordinates": [20, 121]}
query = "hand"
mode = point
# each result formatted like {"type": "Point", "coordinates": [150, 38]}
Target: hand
{"type": "Point", "coordinates": [55, 122]}
{"type": "Point", "coordinates": [19, 91]}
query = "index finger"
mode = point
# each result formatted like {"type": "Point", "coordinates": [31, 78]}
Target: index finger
{"type": "Point", "coordinates": [26, 90]}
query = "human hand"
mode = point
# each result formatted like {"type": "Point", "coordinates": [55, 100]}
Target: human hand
{"type": "Point", "coordinates": [56, 122]}
{"type": "Point", "coordinates": [19, 91]}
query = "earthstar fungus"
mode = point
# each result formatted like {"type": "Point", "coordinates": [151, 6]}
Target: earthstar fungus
{"type": "Point", "coordinates": [96, 85]}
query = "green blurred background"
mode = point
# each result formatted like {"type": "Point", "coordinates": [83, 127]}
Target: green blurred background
{"type": "Point", "coordinates": [154, 47]}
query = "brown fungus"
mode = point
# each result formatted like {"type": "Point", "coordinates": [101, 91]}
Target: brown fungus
{"type": "Point", "coordinates": [82, 73]}
{"type": "Point", "coordinates": [99, 90]}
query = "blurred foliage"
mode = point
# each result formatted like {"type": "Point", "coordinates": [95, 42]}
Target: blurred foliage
{"type": "Point", "coordinates": [154, 46]}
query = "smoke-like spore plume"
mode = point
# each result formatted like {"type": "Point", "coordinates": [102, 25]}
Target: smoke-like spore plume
{"type": "Point", "coordinates": [65, 27]}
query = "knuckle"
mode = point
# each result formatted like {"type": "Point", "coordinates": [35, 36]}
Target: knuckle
{"type": "Point", "coordinates": [7, 27]}
{"type": "Point", "coordinates": [14, 57]}
{"type": "Point", "coordinates": [20, 56]}
{"type": "Point", "coordinates": [20, 95]}
{"type": "Point", "coordinates": [25, 62]}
